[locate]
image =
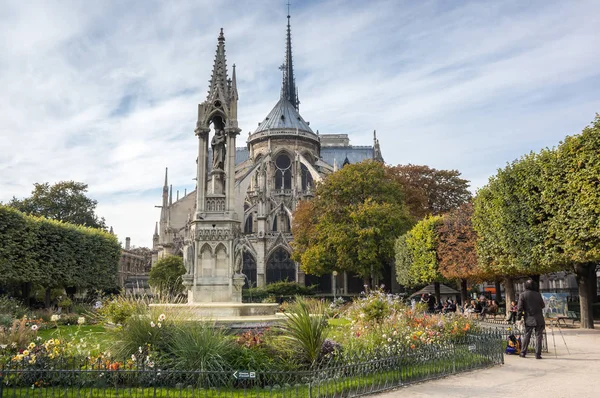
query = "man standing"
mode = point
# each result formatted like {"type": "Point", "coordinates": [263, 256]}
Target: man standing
{"type": "Point", "coordinates": [530, 306]}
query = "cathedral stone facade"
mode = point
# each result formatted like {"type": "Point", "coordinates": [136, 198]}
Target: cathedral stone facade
{"type": "Point", "coordinates": [238, 220]}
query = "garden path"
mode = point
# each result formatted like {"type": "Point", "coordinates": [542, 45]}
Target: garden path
{"type": "Point", "coordinates": [568, 375]}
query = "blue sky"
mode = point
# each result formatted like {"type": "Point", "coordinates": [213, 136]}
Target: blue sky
{"type": "Point", "coordinates": [106, 92]}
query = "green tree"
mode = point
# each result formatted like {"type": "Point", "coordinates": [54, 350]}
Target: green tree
{"type": "Point", "coordinates": [64, 201]}
{"type": "Point", "coordinates": [165, 275]}
{"type": "Point", "coordinates": [416, 255]}
{"type": "Point", "coordinates": [572, 198]}
{"type": "Point", "coordinates": [431, 191]}
{"type": "Point", "coordinates": [352, 222]}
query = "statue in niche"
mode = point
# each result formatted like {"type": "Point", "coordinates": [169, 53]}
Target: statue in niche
{"type": "Point", "coordinates": [218, 148]}
{"type": "Point", "coordinates": [239, 259]}
{"type": "Point", "coordinates": [188, 258]}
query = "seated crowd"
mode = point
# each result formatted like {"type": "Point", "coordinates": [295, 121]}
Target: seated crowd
{"type": "Point", "coordinates": [479, 308]}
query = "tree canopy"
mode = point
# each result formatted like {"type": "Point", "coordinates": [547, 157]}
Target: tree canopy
{"type": "Point", "coordinates": [64, 201]}
{"type": "Point", "coordinates": [351, 223]}
{"type": "Point", "coordinates": [416, 254]}
{"type": "Point", "coordinates": [431, 191]}
{"type": "Point", "coordinates": [165, 276]}
{"type": "Point", "coordinates": [541, 214]}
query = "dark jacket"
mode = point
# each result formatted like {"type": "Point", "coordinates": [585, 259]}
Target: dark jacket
{"type": "Point", "coordinates": [531, 305]}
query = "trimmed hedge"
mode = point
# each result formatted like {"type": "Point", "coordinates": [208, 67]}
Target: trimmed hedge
{"type": "Point", "coordinates": [277, 290]}
{"type": "Point", "coordinates": [52, 253]}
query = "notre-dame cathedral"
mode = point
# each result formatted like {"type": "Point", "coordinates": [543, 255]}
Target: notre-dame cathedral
{"type": "Point", "coordinates": [250, 214]}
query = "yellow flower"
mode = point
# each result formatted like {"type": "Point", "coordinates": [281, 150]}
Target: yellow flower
{"type": "Point", "coordinates": [26, 352]}
{"type": "Point", "coordinates": [31, 346]}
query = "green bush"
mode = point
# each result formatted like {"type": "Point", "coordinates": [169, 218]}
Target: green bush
{"type": "Point", "coordinates": [200, 346]}
{"type": "Point", "coordinates": [277, 289]}
{"type": "Point", "coordinates": [119, 309]}
{"type": "Point", "coordinates": [50, 253]}
{"type": "Point", "coordinates": [12, 308]}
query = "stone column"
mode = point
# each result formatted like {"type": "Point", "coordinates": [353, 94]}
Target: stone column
{"type": "Point", "coordinates": [201, 171]}
{"type": "Point", "coordinates": [230, 170]}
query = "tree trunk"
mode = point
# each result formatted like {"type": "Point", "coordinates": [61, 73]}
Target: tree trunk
{"type": "Point", "coordinates": [438, 295]}
{"type": "Point", "coordinates": [464, 296]}
{"type": "Point", "coordinates": [536, 280]}
{"type": "Point", "coordinates": [498, 291]}
{"type": "Point", "coordinates": [594, 287]}
{"type": "Point", "coordinates": [47, 297]}
{"type": "Point", "coordinates": [26, 293]}
{"type": "Point", "coordinates": [586, 274]}
{"type": "Point", "coordinates": [509, 293]}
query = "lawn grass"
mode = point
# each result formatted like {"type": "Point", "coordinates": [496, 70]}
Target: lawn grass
{"type": "Point", "coordinates": [338, 322]}
{"type": "Point", "coordinates": [93, 334]}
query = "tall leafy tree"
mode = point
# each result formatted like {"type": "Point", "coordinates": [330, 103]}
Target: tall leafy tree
{"type": "Point", "coordinates": [165, 276]}
{"type": "Point", "coordinates": [431, 191]}
{"type": "Point", "coordinates": [64, 201]}
{"type": "Point", "coordinates": [416, 255]}
{"type": "Point", "coordinates": [351, 223]}
{"type": "Point", "coordinates": [456, 248]}
{"type": "Point", "coordinates": [572, 198]}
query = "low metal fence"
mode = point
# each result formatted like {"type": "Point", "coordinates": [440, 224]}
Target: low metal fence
{"type": "Point", "coordinates": [337, 376]}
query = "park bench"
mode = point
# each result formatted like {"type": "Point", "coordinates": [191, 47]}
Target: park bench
{"type": "Point", "coordinates": [571, 316]}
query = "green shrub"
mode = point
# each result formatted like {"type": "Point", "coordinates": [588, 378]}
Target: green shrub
{"type": "Point", "coordinates": [200, 346]}
{"type": "Point", "coordinates": [12, 307]}
{"type": "Point", "coordinates": [119, 309]}
{"type": "Point", "coordinates": [277, 289]}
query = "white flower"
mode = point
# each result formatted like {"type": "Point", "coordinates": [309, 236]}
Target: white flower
{"type": "Point", "coordinates": [3, 346]}
{"type": "Point", "coordinates": [13, 345]}
{"type": "Point", "coordinates": [54, 318]}
{"type": "Point", "coordinates": [389, 339]}
{"type": "Point", "coordinates": [162, 317]}
{"type": "Point", "coordinates": [140, 349]}
{"type": "Point", "coordinates": [34, 327]}
{"type": "Point", "coordinates": [133, 357]}
{"type": "Point", "coordinates": [150, 364]}
{"type": "Point", "coordinates": [81, 320]}
{"type": "Point", "coordinates": [152, 324]}
{"type": "Point", "coordinates": [159, 325]}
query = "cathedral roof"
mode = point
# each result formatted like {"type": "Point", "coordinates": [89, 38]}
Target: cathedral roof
{"type": "Point", "coordinates": [283, 116]}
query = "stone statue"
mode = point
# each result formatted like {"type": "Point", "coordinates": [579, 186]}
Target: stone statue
{"type": "Point", "coordinates": [188, 259]}
{"type": "Point", "coordinates": [239, 259]}
{"type": "Point", "coordinates": [218, 148]}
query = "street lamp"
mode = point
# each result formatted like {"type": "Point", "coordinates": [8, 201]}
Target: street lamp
{"type": "Point", "coordinates": [334, 273]}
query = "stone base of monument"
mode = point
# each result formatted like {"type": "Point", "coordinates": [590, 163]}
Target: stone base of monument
{"type": "Point", "coordinates": [224, 312]}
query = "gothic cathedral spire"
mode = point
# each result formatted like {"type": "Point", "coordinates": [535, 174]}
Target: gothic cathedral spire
{"type": "Point", "coordinates": [288, 88]}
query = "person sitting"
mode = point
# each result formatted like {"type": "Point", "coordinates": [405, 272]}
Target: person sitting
{"type": "Point", "coordinates": [490, 309]}
{"type": "Point", "coordinates": [512, 317]}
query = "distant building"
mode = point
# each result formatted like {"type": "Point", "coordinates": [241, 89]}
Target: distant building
{"type": "Point", "coordinates": [134, 267]}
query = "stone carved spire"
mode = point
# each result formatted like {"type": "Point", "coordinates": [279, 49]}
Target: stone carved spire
{"type": "Point", "coordinates": [288, 88]}
{"type": "Point", "coordinates": [219, 87]}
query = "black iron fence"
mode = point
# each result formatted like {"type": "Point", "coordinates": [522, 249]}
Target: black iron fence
{"type": "Point", "coordinates": [336, 376]}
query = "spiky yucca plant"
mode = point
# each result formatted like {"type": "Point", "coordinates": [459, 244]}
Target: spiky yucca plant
{"type": "Point", "coordinates": [305, 329]}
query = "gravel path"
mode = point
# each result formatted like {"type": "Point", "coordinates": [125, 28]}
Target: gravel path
{"type": "Point", "coordinates": [569, 375]}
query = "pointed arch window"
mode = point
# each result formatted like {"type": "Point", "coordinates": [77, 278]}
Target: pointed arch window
{"type": "Point", "coordinates": [280, 267]}
{"type": "Point", "coordinates": [283, 172]}
{"type": "Point", "coordinates": [249, 270]}
{"type": "Point", "coordinates": [249, 225]}
{"type": "Point", "coordinates": [307, 180]}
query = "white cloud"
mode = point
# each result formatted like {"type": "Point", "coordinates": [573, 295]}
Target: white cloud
{"type": "Point", "coordinates": [106, 92]}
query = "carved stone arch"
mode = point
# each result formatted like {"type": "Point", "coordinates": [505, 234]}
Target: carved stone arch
{"type": "Point", "coordinates": [221, 260]}
{"type": "Point", "coordinates": [204, 265]}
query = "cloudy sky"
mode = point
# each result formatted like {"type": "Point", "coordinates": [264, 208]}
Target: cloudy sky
{"type": "Point", "coordinates": [106, 92]}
